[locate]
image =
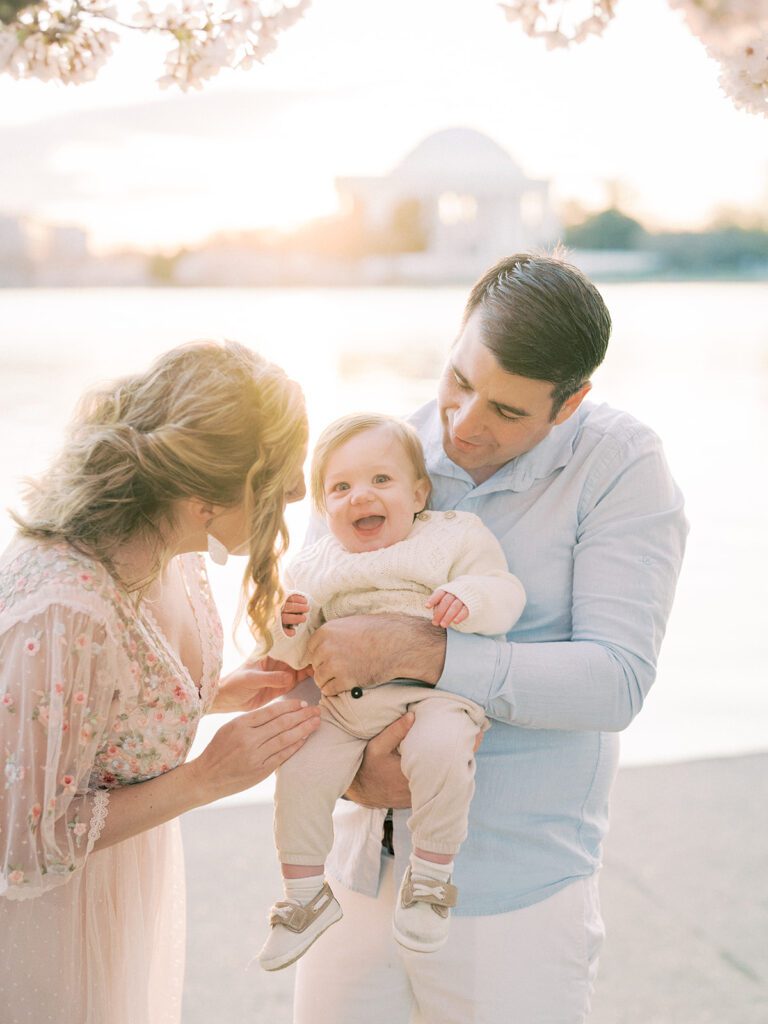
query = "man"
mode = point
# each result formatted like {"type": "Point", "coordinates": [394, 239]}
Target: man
{"type": "Point", "coordinates": [591, 521]}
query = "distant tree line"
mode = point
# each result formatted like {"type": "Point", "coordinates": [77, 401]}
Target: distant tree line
{"type": "Point", "coordinates": [721, 249]}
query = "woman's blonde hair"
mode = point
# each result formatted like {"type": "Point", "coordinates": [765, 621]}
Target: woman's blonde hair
{"type": "Point", "coordinates": [208, 420]}
{"type": "Point", "coordinates": [342, 430]}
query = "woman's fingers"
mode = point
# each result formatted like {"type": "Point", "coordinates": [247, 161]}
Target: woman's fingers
{"type": "Point", "coordinates": [278, 717]}
{"type": "Point", "coordinates": [281, 756]}
{"type": "Point", "coordinates": [243, 751]}
{"type": "Point", "coordinates": [296, 733]}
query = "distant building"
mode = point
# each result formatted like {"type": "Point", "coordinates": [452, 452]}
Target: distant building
{"type": "Point", "coordinates": [66, 244]}
{"type": "Point", "coordinates": [14, 253]}
{"type": "Point", "coordinates": [458, 201]}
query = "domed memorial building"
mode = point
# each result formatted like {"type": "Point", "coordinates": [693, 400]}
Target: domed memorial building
{"type": "Point", "coordinates": [453, 205]}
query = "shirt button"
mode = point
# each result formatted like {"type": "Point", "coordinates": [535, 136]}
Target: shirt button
{"type": "Point", "coordinates": [450, 515]}
{"type": "Point", "coordinates": [357, 691]}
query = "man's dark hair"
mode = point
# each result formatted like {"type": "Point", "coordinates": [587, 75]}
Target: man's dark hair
{"type": "Point", "coordinates": [542, 318]}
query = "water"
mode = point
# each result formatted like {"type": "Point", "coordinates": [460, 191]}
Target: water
{"type": "Point", "coordinates": [690, 359]}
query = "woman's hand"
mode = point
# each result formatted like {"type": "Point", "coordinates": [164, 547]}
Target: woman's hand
{"type": "Point", "coordinates": [367, 650]}
{"type": "Point", "coordinates": [242, 753]}
{"type": "Point", "coordinates": [255, 683]}
{"type": "Point", "coordinates": [249, 748]}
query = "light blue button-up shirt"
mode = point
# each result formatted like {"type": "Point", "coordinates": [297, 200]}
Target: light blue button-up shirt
{"type": "Point", "coordinates": [592, 523]}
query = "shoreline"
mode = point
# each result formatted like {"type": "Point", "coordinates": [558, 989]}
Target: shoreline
{"type": "Point", "coordinates": [684, 890]}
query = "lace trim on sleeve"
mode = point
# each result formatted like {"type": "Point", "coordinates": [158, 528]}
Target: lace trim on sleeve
{"type": "Point", "coordinates": [98, 817]}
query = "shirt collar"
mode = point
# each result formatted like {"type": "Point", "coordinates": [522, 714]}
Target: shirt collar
{"type": "Point", "coordinates": [519, 474]}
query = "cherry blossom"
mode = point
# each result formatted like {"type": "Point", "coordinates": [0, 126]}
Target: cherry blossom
{"type": "Point", "coordinates": [70, 40]}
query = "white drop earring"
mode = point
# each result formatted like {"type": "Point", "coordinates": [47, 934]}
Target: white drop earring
{"type": "Point", "coordinates": [217, 551]}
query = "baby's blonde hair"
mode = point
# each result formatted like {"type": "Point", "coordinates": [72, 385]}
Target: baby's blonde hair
{"type": "Point", "coordinates": [344, 429]}
{"type": "Point", "coordinates": [208, 420]}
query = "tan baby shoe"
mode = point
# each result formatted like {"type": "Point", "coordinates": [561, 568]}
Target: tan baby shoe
{"type": "Point", "coordinates": [295, 926]}
{"type": "Point", "coordinates": [422, 913]}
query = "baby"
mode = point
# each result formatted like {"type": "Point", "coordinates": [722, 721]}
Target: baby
{"type": "Point", "coordinates": [384, 554]}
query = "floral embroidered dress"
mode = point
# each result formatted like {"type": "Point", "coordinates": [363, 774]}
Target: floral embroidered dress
{"type": "Point", "coordinates": [92, 697]}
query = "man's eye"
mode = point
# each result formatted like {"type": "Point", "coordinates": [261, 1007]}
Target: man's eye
{"type": "Point", "coordinates": [381, 478]}
{"type": "Point", "coordinates": [508, 416]}
{"type": "Point", "coordinates": [460, 382]}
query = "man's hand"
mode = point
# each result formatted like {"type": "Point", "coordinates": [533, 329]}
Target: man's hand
{"type": "Point", "coordinates": [367, 650]}
{"type": "Point", "coordinates": [256, 683]}
{"type": "Point", "coordinates": [379, 781]}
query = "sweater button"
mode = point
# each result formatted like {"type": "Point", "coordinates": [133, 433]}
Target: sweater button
{"type": "Point", "coordinates": [357, 691]}
{"type": "Point", "coordinates": [450, 515]}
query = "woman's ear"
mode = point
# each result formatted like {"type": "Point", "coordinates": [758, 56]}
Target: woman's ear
{"type": "Point", "coordinates": [197, 511]}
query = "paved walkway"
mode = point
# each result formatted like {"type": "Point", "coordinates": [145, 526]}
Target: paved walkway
{"type": "Point", "coordinates": [684, 892]}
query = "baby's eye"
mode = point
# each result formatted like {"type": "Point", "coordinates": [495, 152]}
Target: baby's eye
{"type": "Point", "coordinates": [381, 478]}
{"type": "Point", "coordinates": [341, 486]}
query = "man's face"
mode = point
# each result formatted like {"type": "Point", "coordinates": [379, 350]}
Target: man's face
{"type": "Point", "coordinates": [490, 416]}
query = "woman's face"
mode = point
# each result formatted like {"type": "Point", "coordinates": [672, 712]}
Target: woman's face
{"type": "Point", "coordinates": [297, 487]}
{"type": "Point", "coordinates": [232, 527]}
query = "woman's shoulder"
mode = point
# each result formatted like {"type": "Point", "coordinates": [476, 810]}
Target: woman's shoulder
{"type": "Point", "coordinates": [35, 574]}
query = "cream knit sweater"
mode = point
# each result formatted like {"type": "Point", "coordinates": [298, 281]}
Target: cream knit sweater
{"type": "Point", "coordinates": [451, 551]}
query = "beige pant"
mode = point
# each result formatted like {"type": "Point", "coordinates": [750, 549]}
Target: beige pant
{"type": "Point", "coordinates": [437, 759]}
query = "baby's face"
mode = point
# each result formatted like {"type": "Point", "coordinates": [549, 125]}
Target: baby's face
{"type": "Point", "coordinates": [371, 492]}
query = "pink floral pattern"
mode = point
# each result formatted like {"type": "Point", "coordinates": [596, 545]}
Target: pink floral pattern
{"type": "Point", "coordinates": [101, 697]}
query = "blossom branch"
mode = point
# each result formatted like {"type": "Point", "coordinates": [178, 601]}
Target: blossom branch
{"type": "Point", "coordinates": [734, 32]}
{"type": "Point", "coordinates": [70, 40]}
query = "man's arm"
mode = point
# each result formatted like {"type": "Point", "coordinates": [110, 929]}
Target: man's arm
{"type": "Point", "coordinates": [366, 650]}
{"type": "Point", "coordinates": [626, 559]}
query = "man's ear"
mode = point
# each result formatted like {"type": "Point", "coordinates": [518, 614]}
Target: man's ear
{"type": "Point", "coordinates": [570, 405]}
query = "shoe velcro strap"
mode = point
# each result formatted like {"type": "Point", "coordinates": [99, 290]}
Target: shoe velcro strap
{"type": "Point", "coordinates": [297, 918]}
{"type": "Point", "coordinates": [429, 890]}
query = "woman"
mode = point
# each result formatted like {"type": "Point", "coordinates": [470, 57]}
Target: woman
{"type": "Point", "coordinates": [110, 652]}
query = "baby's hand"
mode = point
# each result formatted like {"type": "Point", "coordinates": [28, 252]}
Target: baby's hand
{"type": "Point", "coordinates": [295, 610]}
{"type": "Point", "coordinates": [447, 610]}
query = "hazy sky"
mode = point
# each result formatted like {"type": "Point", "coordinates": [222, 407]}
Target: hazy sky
{"type": "Point", "coordinates": [350, 91]}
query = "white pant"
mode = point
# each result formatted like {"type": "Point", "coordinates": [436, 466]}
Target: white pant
{"type": "Point", "coordinates": [530, 966]}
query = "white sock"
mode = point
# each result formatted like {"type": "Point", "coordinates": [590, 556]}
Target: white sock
{"type": "Point", "coordinates": [303, 889]}
{"type": "Point", "coordinates": [428, 869]}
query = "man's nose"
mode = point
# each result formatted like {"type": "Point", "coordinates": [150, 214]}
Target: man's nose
{"type": "Point", "coordinates": [468, 419]}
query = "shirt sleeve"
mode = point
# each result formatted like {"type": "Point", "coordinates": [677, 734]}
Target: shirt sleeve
{"type": "Point", "coordinates": [481, 579]}
{"type": "Point", "coordinates": [627, 553]}
{"type": "Point", "coordinates": [57, 680]}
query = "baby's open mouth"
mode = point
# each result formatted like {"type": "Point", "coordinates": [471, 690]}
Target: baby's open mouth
{"type": "Point", "coordinates": [368, 523]}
